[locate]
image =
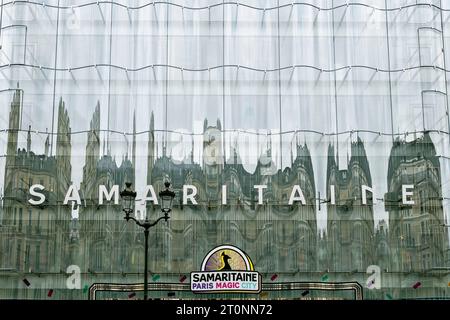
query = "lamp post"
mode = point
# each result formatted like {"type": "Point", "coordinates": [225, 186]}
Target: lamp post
{"type": "Point", "coordinates": [128, 197]}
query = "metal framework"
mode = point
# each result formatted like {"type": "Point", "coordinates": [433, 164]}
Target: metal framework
{"type": "Point", "coordinates": [354, 286]}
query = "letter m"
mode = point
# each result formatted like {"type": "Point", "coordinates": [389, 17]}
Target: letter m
{"type": "Point", "coordinates": [103, 192]}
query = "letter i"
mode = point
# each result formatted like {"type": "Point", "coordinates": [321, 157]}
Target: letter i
{"type": "Point", "coordinates": [224, 194]}
{"type": "Point", "coordinates": [332, 194]}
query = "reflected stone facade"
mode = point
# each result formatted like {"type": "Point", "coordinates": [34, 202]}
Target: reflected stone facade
{"type": "Point", "coordinates": [105, 242]}
{"type": "Point", "coordinates": [33, 238]}
{"type": "Point", "coordinates": [40, 242]}
{"type": "Point", "coordinates": [278, 236]}
{"type": "Point", "coordinates": [418, 240]}
{"type": "Point", "coordinates": [350, 222]}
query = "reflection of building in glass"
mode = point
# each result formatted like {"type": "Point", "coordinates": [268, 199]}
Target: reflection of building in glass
{"type": "Point", "coordinates": [350, 222]}
{"type": "Point", "coordinates": [278, 236]}
{"type": "Point", "coordinates": [418, 240]}
{"type": "Point", "coordinates": [382, 250]}
{"type": "Point", "coordinates": [33, 237]}
{"type": "Point", "coordinates": [40, 242]}
{"type": "Point", "coordinates": [106, 243]}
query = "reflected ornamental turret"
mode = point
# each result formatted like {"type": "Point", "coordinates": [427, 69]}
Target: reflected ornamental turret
{"type": "Point", "coordinates": [212, 161]}
{"type": "Point", "coordinates": [13, 129]}
{"type": "Point", "coordinates": [151, 149]}
{"type": "Point", "coordinates": [92, 155]}
{"type": "Point", "coordinates": [295, 225]}
{"type": "Point", "coordinates": [382, 249]}
{"type": "Point", "coordinates": [350, 224]}
{"type": "Point", "coordinates": [104, 240]}
{"type": "Point", "coordinates": [63, 150]}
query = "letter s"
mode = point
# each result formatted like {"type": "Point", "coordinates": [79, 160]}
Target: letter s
{"type": "Point", "coordinates": [36, 194]}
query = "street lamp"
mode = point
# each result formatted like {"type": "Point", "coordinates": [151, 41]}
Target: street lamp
{"type": "Point", "coordinates": [166, 199]}
{"type": "Point", "coordinates": [128, 197]}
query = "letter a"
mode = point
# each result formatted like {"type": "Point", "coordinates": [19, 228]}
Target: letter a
{"type": "Point", "coordinates": [74, 281]}
{"type": "Point", "coordinates": [293, 197]}
{"type": "Point", "coordinates": [72, 195]}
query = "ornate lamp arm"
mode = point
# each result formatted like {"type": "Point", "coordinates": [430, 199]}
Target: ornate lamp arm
{"type": "Point", "coordinates": [147, 224]}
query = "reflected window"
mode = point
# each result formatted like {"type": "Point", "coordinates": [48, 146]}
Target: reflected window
{"type": "Point", "coordinates": [27, 257]}
{"type": "Point", "coordinates": [18, 254]}
{"type": "Point", "coordinates": [20, 219]}
{"type": "Point", "coordinates": [38, 221]}
{"type": "Point", "coordinates": [37, 260]}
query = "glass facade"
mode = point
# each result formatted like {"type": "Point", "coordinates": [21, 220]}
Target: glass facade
{"type": "Point", "coordinates": [339, 106]}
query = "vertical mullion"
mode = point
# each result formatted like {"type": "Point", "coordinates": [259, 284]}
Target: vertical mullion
{"type": "Point", "coordinates": [54, 78]}
{"type": "Point", "coordinates": [389, 69]}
